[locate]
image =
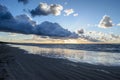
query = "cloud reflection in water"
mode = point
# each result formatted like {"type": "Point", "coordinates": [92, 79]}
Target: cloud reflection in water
{"type": "Point", "coordinates": [92, 57]}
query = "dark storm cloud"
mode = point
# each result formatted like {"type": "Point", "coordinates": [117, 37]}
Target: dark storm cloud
{"type": "Point", "coordinates": [23, 1]}
{"type": "Point", "coordinates": [25, 25]}
{"type": "Point", "coordinates": [4, 13]}
{"type": "Point", "coordinates": [43, 9]}
{"type": "Point", "coordinates": [52, 29]}
{"type": "Point", "coordinates": [9, 23]}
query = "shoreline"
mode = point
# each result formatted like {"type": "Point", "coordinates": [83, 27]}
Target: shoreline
{"type": "Point", "coordinates": [58, 43]}
{"type": "Point", "coordinates": [17, 65]}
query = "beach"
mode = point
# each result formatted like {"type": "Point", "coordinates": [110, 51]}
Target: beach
{"type": "Point", "coordinates": [18, 64]}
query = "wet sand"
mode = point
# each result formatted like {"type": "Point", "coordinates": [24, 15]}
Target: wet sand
{"type": "Point", "coordinates": [17, 64]}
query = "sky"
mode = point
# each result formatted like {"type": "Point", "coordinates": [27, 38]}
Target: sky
{"type": "Point", "coordinates": [98, 16]}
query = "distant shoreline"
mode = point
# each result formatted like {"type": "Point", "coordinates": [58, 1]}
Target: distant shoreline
{"type": "Point", "coordinates": [54, 43]}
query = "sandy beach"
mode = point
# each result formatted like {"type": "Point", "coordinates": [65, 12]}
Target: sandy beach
{"type": "Point", "coordinates": [17, 64]}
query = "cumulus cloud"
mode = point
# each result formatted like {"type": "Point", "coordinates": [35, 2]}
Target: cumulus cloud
{"type": "Point", "coordinates": [25, 25]}
{"type": "Point", "coordinates": [25, 19]}
{"type": "Point", "coordinates": [68, 12]}
{"type": "Point", "coordinates": [4, 13]}
{"type": "Point", "coordinates": [23, 1]}
{"type": "Point", "coordinates": [80, 31]}
{"type": "Point", "coordinates": [86, 36]}
{"type": "Point", "coordinates": [103, 37]}
{"type": "Point", "coordinates": [14, 25]}
{"type": "Point", "coordinates": [9, 23]}
{"type": "Point", "coordinates": [43, 9]}
{"type": "Point", "coordinates": [98, 36]}
{"type": "Point", "coordinates": [52, 29]}
{"type": "Point", "coordinates": [105, 22]}
{"type": "Point", "coordinates": [76, 14]}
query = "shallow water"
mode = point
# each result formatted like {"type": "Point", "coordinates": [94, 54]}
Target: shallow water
{"type": "Point", "coordinates": [108, 55]}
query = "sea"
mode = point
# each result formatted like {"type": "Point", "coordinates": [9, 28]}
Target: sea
{"type": "Point", "coordinates": [97, 54]}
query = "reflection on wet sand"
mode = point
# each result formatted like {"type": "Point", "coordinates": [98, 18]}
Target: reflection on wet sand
{"type": "Point", "coordinates": [92, 57]}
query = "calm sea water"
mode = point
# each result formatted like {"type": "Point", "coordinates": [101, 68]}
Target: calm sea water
{"type": "Point", "coordinates": [102, 54]}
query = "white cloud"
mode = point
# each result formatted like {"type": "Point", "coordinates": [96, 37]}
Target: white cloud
{"type": "Point", "coordinates": [56, 9]}
{"type": "Point", "coordinates": [43, 9]}
{"type": "Point", "coordinates": [68, 12]}
{"type": "Point", "coordinates": [118, 24]}
{"type": "Point", "coordinates": [100, 36]}
{"type": "Point", "coordinates": [105, 22]}
{"type": "Point", "coordinates": [76, 14]}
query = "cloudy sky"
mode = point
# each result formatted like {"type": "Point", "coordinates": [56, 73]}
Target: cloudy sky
{"type": "Point", "coordinates": [59, 17]}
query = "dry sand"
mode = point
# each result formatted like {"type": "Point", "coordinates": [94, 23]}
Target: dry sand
{"type": "Point", "coordinates": [17, 64]}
